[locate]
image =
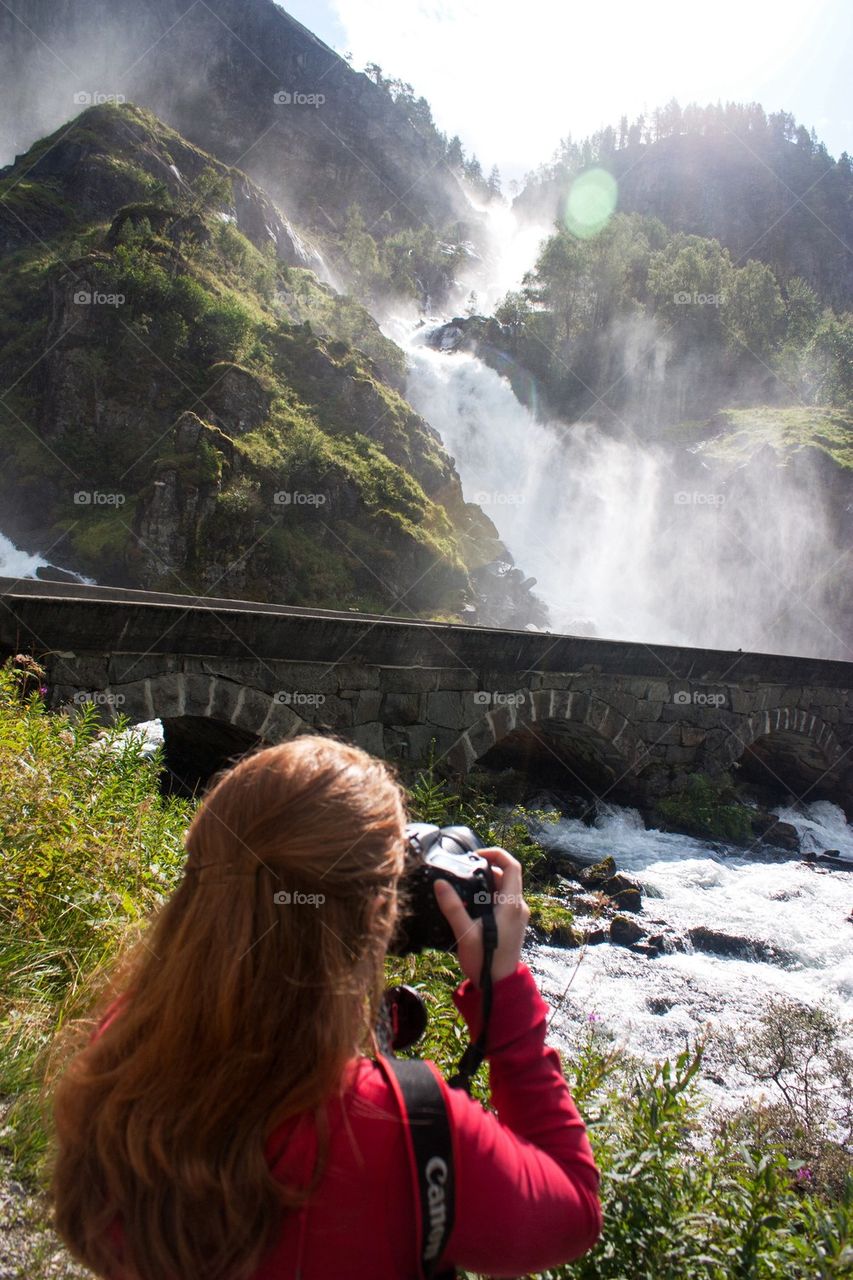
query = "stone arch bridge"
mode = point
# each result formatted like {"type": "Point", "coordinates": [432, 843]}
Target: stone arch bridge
{"type": "Point", "coordinates": [609, 718]}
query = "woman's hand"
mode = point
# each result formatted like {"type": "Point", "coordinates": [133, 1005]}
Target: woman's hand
{"type": "Point", "coordinates": [511, 916]}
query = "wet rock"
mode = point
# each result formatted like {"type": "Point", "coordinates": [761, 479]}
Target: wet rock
{"type": "Point", "coordinates": [625, 932]}
{"type": "Point", "coordinates": [628, 900]}
{"type": "Point", "coordinates": [597, 936]}
{"type": "Point", "coordinates": [770, 831]}
{"type": "Point", "coordinates": [626, 894]}
{"type": "Point", "coordinates": [718, 943]}
{"type": "Point", "coordinates": [563, 935]}
{"type": "Point", "coordinates": [596, 877]}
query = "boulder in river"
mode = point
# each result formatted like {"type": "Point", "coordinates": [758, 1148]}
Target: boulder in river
{"type": "Point", "coordinates": [770, 831]}
{"type": "Point", "coordinates": [625, 932]}
{"type": "Point", "coordinates": [597, 876]}
{"type": "Point", "coordinates": [625, 893]}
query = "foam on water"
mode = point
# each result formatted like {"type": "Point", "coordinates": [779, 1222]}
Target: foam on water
{"type": "Point", "coordinates": [15, 563]}
{"type": "Point", "coordinates": [794, 911]}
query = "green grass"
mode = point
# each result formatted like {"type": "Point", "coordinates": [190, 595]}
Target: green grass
{"type": "Point", "coordinates": [706, 807]}
{"type": "Point", "coordinates": [787, 430]}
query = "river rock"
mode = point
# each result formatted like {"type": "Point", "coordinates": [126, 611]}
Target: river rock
{"type": "Point", "coordinates": [626, 894]}
{"type": "Point", "coordinates": [597, 876]}
{"type": "Point", "coordinates": [628, 900]}
{"type": "Point", "coordinates": [736, 946]}
{"type": "Point", "coordinates": [779, 835]}
{"type": "Point", "coordinates": [625, 932]}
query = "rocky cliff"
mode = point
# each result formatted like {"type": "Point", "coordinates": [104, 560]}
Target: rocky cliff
{"type": "Point", "coordinates": [191, 408]}
{"type": "Point", "coordinates": [243, 80]}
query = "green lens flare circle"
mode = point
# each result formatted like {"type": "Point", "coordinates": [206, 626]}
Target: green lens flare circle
{"type": "Point", "coordinates": [592, 199]}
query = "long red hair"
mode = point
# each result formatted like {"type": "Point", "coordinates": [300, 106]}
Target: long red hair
{"type": "Point", "coordinates": [260, 977]}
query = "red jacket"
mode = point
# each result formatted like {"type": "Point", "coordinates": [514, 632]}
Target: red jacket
{"type": "Point", "coordinates": [526, 1180]}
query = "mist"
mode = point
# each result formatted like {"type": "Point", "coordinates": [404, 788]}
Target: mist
{"type": "Point", "coordinates": [629, 538]}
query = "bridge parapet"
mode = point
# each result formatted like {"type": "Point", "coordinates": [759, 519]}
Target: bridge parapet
{"type": "Point", "coordinates": [622, 720]}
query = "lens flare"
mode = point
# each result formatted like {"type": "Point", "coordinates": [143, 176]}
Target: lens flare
{"type": "Point", "coordinates": [591, 201]}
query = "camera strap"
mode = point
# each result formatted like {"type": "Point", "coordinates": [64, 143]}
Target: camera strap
{"type": "Point", "coordinates": [431, 1155]}
{"type": "Point", "coordinates": [474, 1056]}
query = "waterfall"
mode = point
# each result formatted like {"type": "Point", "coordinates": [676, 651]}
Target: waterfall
{"type": "Point", "coordinates": [622, 546]}
{"type": "Point", "coordinates": [628, 539]}
{"type": "Point", "coordinates": [17, 564]}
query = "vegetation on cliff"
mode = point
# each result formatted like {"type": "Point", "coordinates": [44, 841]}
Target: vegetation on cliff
{"type": "Point", "coordinates": [190, 408]}
{"type": "Point", "coordinates": [89, 850]}
{"type": "Point", "coordinates": [655, 324]}
{"type": "Point", "coordinates": [761, 184]}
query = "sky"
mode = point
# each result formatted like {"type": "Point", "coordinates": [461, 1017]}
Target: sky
{"type": "Point", "coordinates": [513, 79]}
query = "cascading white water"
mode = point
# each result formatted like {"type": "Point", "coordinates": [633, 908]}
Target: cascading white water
{"type": "Point", "coordinates": [619, 549]}
{"type": "Point", "coordinates": [795, 913]}
{"type": "Point", "coordinates": [620, 542]}
{"type": "Point", "coordinates": [17, 564]}
{"type": "Point", "coordinates": [617, 540]}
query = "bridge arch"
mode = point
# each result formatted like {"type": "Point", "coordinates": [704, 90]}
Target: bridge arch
{"type": "Point", "coordinates": [791, 746]}
{"type": "Point", "coordinates": [550, 730]}
{"type": "Point", "coordinates": [207, 720]}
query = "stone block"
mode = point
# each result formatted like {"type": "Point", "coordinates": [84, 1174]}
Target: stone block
{"type": "Point", "coordinates": [401, 708]}
{"type": "Point", "coordinates": [446, 708]}
{"type": "Point", "coordinates": [168, 694]}
{"type": "Point", "coordinates": [280, 723]}
{"type": "Point", "coordinates": [124, 667]}
{"type": "Point", "coordinates": [84, 670]}
{"type": "Point", "coordinates": [329, 710]}
{"type": "Point", "coordinates": [366, 706]}
{"type": "Point", "coordinates": [414, 679]}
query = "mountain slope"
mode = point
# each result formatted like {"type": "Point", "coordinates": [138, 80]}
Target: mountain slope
{"type": "Point", "coordinates": [759, 184]}
{"type": "Point", "coordinates": [189, 408]}
{"type": "Point", "coordinates": [214, 72]}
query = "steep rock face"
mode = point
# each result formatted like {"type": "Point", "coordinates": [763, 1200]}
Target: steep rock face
{"type": "Point", "coordinates": [181, 495]}
{"type": "Point", "coordinates": [214, 71]}
{"type": "Point", "coordinates": [171, 422]}
{"type": "Point", "coordinates": [94, 168]}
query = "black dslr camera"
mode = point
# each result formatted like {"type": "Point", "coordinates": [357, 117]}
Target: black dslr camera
{"type": "Point", "coordinates": [439, 853]}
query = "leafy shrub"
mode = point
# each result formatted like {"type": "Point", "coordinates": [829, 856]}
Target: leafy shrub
{"type": "Point", "coordinates": [88, 849]}
{"type": "Point", "coordinates": [706, 807]}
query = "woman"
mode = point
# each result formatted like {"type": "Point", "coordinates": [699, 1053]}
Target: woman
{"type": "Point", "coordinates": [225, 1123]}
